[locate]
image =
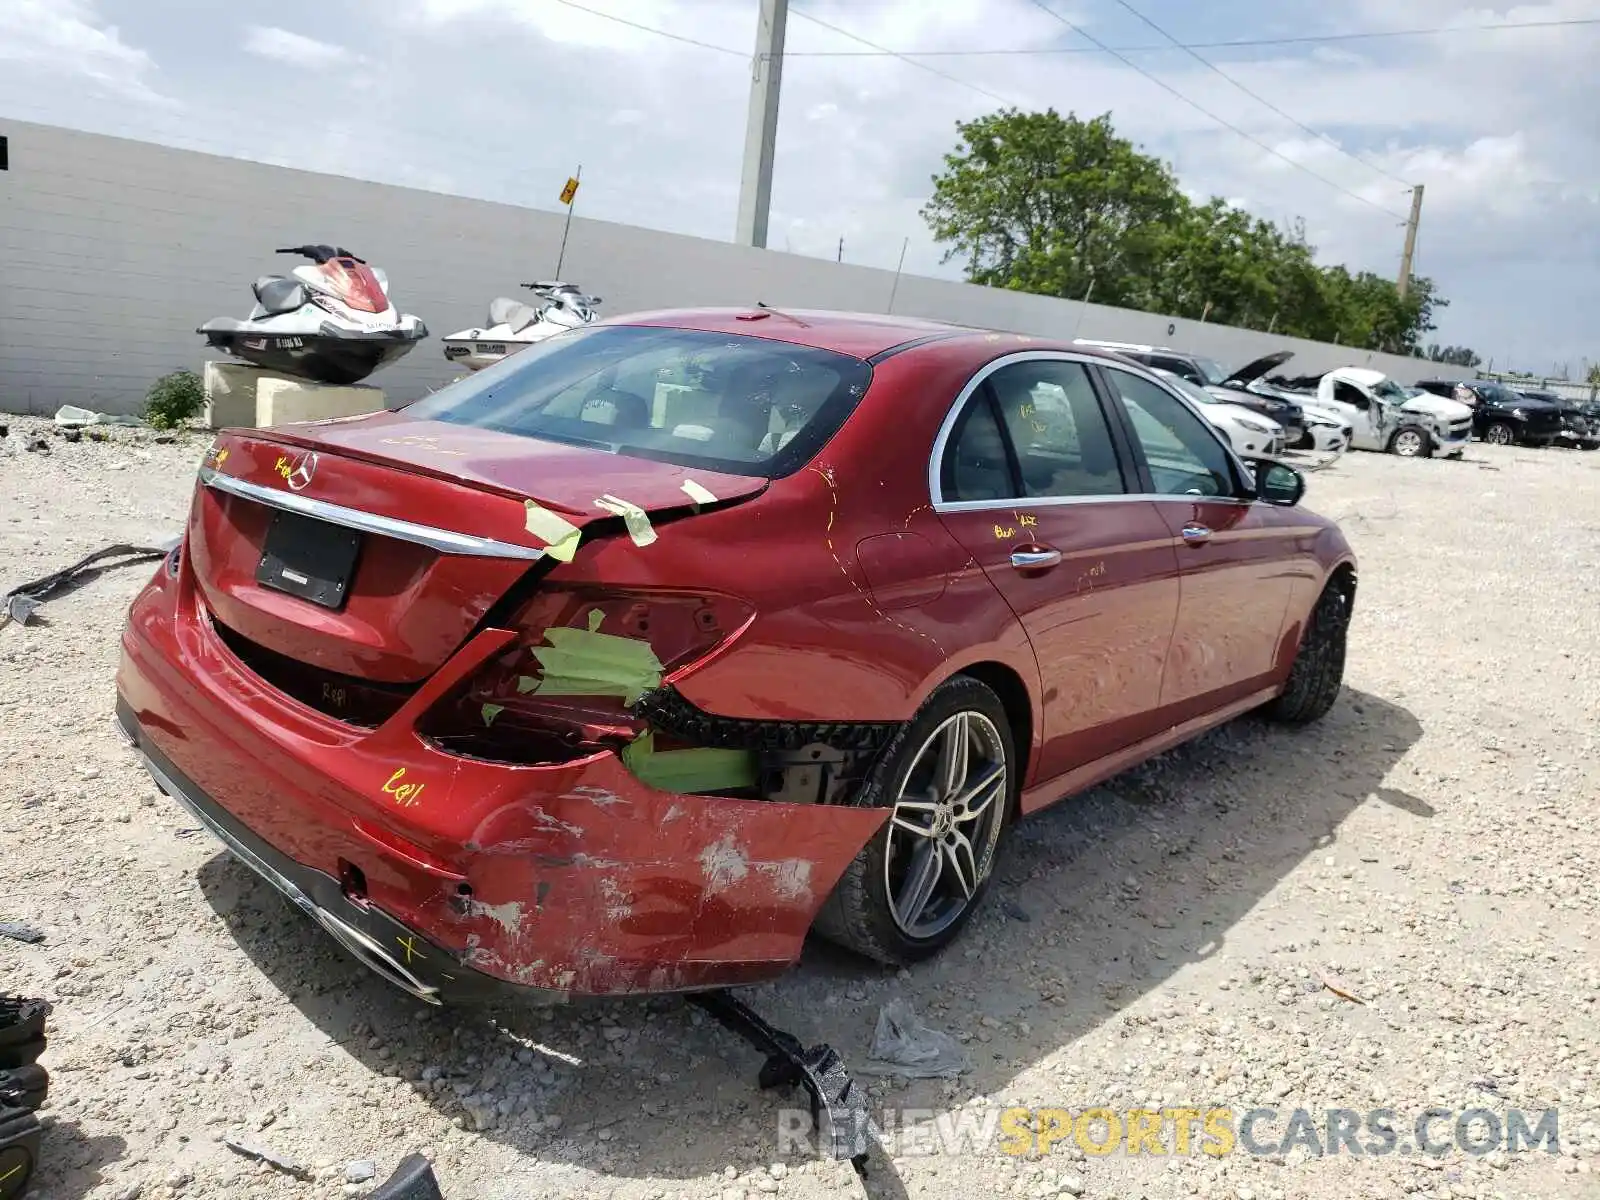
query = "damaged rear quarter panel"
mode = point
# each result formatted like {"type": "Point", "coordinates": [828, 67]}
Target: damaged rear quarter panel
{"type": "Point", "coordinates": [627, 879]}
{"type": "Point", "coordinates": [582, 878]}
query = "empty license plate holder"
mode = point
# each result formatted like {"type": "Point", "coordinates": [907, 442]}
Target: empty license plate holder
{"type": "Point", "coordinates": [314, 560]}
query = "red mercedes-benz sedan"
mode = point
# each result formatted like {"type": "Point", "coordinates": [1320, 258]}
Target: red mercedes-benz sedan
{"type": "Point", "coordinates": [623, 664]}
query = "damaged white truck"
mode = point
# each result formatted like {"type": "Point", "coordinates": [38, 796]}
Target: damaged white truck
{"type": "Point", "coordinates": [1385, 416]}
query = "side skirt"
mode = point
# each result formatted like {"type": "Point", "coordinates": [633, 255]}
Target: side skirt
{"type": "Point", "coordinates": [1042, 795]}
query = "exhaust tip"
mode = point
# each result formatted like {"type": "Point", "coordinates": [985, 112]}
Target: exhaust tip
{"type": "Point", "coordinates": [376, 958]}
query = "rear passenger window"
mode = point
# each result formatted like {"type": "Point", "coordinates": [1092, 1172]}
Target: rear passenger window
{"type": "Point", "coordinates": [975, 464]}
{"type": "Point", "coordinates": [1062, 442]}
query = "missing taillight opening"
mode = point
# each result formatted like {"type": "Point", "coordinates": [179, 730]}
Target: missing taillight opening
{"type": "Point", "coordinates": [567, 687]}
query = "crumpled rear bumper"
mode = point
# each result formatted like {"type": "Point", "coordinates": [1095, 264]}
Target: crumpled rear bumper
{"type": "Point", "coordinates": [569, 880]}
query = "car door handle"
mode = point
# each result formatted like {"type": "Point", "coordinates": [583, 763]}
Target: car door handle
{"type": "Point", "coordinates": [1034, 560]}
{"type": "Point", "coordinates": [1196, 535]}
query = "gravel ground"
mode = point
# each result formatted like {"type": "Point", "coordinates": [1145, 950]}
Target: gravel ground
{"type": "Point", "coordinates": [1162, 940]}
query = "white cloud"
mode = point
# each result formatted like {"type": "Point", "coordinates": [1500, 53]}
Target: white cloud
{"type": "Point", "coordinates": [576, 25]}
{"type": "Point", "coordinates": [52, 39]}
{"type": "Point", "coordinates": [280, 45]}
{"type": "Point", "coordinates": [1498, 126]}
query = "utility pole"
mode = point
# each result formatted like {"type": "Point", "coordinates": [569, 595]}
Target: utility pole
{"type": "Point", "coordinates": [1403, 284]}
{"type": "Point", "coordinates": [761, 126]}
{"type": "Point", "coordinates": [901, 266]}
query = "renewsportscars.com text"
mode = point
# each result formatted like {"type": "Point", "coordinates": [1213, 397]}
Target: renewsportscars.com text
{"type": "Point", "coordinates": [1211, 1131]}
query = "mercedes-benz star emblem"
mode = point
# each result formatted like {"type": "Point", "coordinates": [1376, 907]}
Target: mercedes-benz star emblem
{"type": "Point", "coordinates": [304, 468]}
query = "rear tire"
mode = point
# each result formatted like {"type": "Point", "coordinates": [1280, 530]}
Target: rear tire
{"type": "Point", "coordinates": [24, 1087]}
{"type": "Point", "coordinates": [22, 1036]}
{"type": "Point", "coordinates": [1318, 670]}
{"type": "Point", "coordinates": [886, 907]}
{"type": "Point", "coordinates": [1500, 434]}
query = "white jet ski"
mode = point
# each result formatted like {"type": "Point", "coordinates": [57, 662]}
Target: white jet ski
{"type": "Point", "coordinates": [514, 326]}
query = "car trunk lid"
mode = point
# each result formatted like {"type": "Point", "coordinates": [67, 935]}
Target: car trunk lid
{"type": "Point", "coordinates": [367, 551]}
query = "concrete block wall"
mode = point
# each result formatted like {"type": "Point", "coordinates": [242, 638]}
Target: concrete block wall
{"type": "Point", "coordinates": [112, 251]}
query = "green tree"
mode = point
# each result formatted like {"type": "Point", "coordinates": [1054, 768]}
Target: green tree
{"type": "Point", "coordinates": [1367, 310]}
{"type": "Point", "coordinates": [1593, 378]}
{"type": "Point", "coordinates": [1455, 356]}
{"type": "Point", "coordinates": [1043, 203]}
{"type": "Point", "coordinates": [1046, 203]}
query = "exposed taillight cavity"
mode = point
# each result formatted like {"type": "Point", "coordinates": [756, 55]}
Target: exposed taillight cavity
{"type": "Point", "coordinates": [566, 688]}
{"type": "Point", "coordinates": [356, 701]}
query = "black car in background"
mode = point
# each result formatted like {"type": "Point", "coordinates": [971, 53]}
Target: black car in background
{"type": "Point", "coordinates": [1500, 415]}
{"type": "Point", "coordinates": [1580, 419]}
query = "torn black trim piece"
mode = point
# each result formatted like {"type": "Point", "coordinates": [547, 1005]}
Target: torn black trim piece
{"type": "Point", "coordinates": [413, 1179]}
{"type": "Point", "coordinates": [839, 1112]}
{"type": "Point", "coordinates": [22, 601]}
{"type": "Point", "coordinates": [669, 711]}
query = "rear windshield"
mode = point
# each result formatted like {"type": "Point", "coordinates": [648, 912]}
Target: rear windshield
{"type": "Point", "coordinates": [743, 405]}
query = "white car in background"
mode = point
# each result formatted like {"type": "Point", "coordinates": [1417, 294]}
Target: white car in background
{"type": "Point", "coordinates": [1250, 434]}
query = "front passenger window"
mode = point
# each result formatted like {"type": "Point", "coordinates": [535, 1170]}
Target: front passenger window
{"type": "Point", "coordinates": [1348, 393]}
{"type": "Point", "coordinates": [1184, 457]}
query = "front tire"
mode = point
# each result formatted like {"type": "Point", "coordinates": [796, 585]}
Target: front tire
{"type": "Point", "coordinates": [951, 778]}
{"type": "Point", "coordinates": [1318, 670]}
{"type": "Point", "coordinates": [1500, 434]}
{"type": "Point", "coordinates": [1412, 441]}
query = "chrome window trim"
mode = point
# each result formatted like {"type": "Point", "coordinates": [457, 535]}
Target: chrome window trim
{"type": "Point", "coordinates": [947, 426]}
{"type": "Point", "coordinates": [1030, 502]}
{"type": "Point", "coordinates": [446, 541]}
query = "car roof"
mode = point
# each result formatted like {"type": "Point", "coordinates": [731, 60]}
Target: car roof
{"type": "Point", "coordinates": [1135, 347]}
{"type": "Point", "coordinates": [1364, 375]}
{"type": "Point", "coordinates": [861, 335]}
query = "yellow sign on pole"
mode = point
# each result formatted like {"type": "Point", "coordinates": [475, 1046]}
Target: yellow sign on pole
{"type": "Point", "coordinates": [568, 192]}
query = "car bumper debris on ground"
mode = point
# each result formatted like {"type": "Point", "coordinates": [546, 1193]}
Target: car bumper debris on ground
{"type": "Point", "coordinates": [1164, 942]}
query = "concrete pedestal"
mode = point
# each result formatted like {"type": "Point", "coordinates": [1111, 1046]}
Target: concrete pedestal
{"type": "Point", "coordinates": [280, 401]}
{"type": "Point", "coordinates": [231, 394]}
{"type": "Point", "coordinates": [241, 395]}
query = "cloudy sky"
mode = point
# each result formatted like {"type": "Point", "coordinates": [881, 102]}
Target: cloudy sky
{"type": "Point", "coordinates": [500, 99]}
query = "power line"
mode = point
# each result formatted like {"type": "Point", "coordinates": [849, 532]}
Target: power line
{"type": "Point", "coordinates": [1172, 91]}
{"type": "Point", "coordinates": [1259, 99]}
{"type": "Point", "coordinates": [676, 37]}
{"type": "Point", "coordinates": [883, 50]}
{"type": "Point", "coordinates": [1230, 44]}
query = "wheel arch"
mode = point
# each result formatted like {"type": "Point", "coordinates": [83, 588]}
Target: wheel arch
{"type": "Point", "coordinates": [1006, 683]}
{"type": "Point", "coordinates": [1342, 575]}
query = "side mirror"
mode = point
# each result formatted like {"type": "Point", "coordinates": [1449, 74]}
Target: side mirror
{"type": "Point", "coordinates": [1278, 483]}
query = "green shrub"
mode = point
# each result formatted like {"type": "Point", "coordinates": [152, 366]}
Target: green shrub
{"type": "Point", "coordinates": [174, 399]}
